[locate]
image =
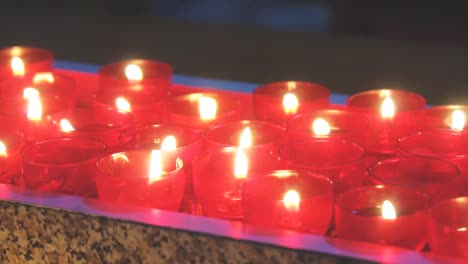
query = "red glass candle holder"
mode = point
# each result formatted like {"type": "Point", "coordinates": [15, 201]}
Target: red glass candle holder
{"type": "Point", "coordinates": [123, 178]}
{"type": "Point", "coordinates": [392, 114]}
{"type": "Point", "coordinates": [451, 117]}
{"type": "Point", "coordinates": [188, 143]}
{"type": "Point", "coordinates": [14, 116]}
{"type": "Point", "coordinates": [340, 160]}
{"type": "Point", "coordinates": [186, 110]}
{"type": "Point", "coordinates": [328, 123]}
{"type": "Point", "coordinates": [438, 178]}
{"type": "Point", "coordinates": [263, 135]}
{"type": "Point", "coordinates": [359, 216]}
{"type": "Point", "coordinates": [440, 144]}
{"type": "Point", "coordinates": [136, 75]}
{"type": "Point", "coordinates": [21, 61]}
{"type": "Point", "coordinates": [289, 199]}
{"type": "Point", "coordinates": [64, 164]}
{"type": "Point", "coordinates": [11, 143]}
{"type": "Point", "coordinates": [448, 230]}
{"type": "Point", "coordinates": [276, 102]}
{"type": "Point", "coordinates": [100, 122]}
{"type": "Point", "coordinates": [217, 187]}
{"type": "Point", "coordinates": [48, 84]}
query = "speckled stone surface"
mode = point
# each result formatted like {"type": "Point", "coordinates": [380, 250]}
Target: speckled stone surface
{"type": "Point", "coordinates": [30, 234]}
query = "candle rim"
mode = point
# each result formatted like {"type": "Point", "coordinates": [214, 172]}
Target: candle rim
{"type": "Point", "coordinates": [444, 203]}
{"type": "Point", "coordinates": [165, 70]}
{"type": "Point", "coordinates": [279, 88]}
{"type": "Point", "coordinates": [24, 52]}
{"type": "Point", "coordinates": [421, 105]}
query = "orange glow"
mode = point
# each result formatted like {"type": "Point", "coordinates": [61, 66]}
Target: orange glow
{"type": "Point", "coordinates": [123, 105]}
{"type": "Point", "coordinates": [320, 127]}
{"type": "Point", "coordinates": [292, 201]}
{"type": "Point", "coordinates": [241, 164]}
{"type": "Point", "coordinates": [3, 149]}
{"type": "Point", "coordinates": [388, 211]}
{"type": "Point", "coordinates": [66, 126]}
{"type": "Point", "coordinates": [41, 77]}
{"type": "Point", "coordinates": [290, 103]}
{"type": "Point", "coordinates": [458, 120]}
{"type": "Point", "coordinates": [155, 166]}
{"type": "Point", "coordinates": [245, 140]}
{"type": "Point", "coordinates": [207, 107]}
{"type": "Point", "coordinates": [133, 73]}
{"type": "Point", "coordinates": [387, 109]}
{"type": "Point", "coordinates": [17, 66]}
{"type": "Point", "coordinates": [169, 143]}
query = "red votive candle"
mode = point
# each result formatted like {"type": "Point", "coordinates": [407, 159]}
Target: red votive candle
{"type": "Point", "coordinates": [31, 116]}
{"type": "Point", "coordinates": [278, 101]}
{"type": "Point", "coordinates": [451, 117]}
{"type": "Point", "coordinates": [328, 123]}
{"type": "Point", "coordinates": [218, 176]}
{"type": "Point", "coordinates": [291, 199]}
{"type": "Point", "coordinates": [188, 143]}
{"type": "Point", "coordinates": [438, 178]}
{"type": "Point", "coordinates": [448, 227]}
{"type": "Point", "coordinates": [48, 84]}
{"type": "Point", "coordinates": [137, 86]}
{"type": "Point", "coordinates": [11, 143]}
{"type": "Point", "coordinates": [201, 110]}
{"type": "Point", "coordinates": [20, 61]}
{"type": "Point", "coordinates": [392, 114]}
{"type": "Point", "coordinates": [340, 160]}
{"type": "Point", "coordinates": [101, 122]}
{"type": "Point", "coordinates": [148, 178]}
{"type": "Point", "coordinates": [64, 164]}
{"type": "Point", "coordinates": [383, 214]}
{"type": "Point", "coordinates": [257, 134]}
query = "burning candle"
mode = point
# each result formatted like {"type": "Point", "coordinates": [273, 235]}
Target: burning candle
{"type": "Point", "coordinates": [392, 114]}
{"type": "Point", "coordinates": [382, 214]}
{"type": "Point", "coordinates": [62, 164]}
{"type": "Point", "coordinates": [218, 176]}
{"type": "Point", "coordinates": [30, 114]}
{"type": "Point", "coordinates": [438, 178]}
{"type": "Point", "coordinates": [291, 199]}
{"type": "Point", "coordinates": [257, 134]}
{"type": "Point", "coordinates": [100, 122]}
{"type": "Point", "coordinates": [11, 143]}
{"type": "Point", "coordinates": [276, 102]}
{"type": "Point", "coordinates": [449, 117]}
{"type": "Point", "coordinates": [201, 110]}
{"type": "Point", "coordinates": [328, 123]}
{"type": "Point", "coordinates": [448, 228]}
{"type": "Point", "coordinates": [20, 61]}
{"type": "Point", "coordinates": [340, 160]}
{"type": "Point", "coordinates": [143, 177]}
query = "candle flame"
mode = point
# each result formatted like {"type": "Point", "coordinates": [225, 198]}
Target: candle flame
{"type": "Point", "coordinates": [123, 105]}
{"type": "Point", "coordinates": [17, 66]}
{"type": "Point", "coordinates": [169, 143]}
{"type": "Point", "coordinates": [3, 149]}
{"type": "Point", "coordinates": [387, 109]}
{"type": "Point", "coordinates": [290, 103]}
{"type": "Point", "coordinates": [241, 164]}
{"type": "Point", "coordinates": [207, 107]}
{"type": "Point", "coordinates": [321, 127]}
{"type": "Point", "coordinates": [133, 73]}
{"type": "Point", "coordinates": [34, 103]}
{"type": "Point", "coordinates": [388, 211]}
{"type": "Point", "coordinates": [66, 126]}
{"type": "Point", "coordinates": [458, 120]}
{"type": "Point", "coordinates": [155, 168]}
{"type": "Point", "coordinates": [291, 201]}
{"type": "Point", "coordinates": [245, 140]}
{"type": "Point", "coordinates": [462, 229]}
{"type": "Point", "coordinates": [43, 77]}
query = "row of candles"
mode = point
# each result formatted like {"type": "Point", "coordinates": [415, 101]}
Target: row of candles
{"type": "Point", "coordinates": [383, 168]}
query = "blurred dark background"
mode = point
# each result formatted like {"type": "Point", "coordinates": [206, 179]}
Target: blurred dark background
{"type": "Point", "coordinates": [346, 45]}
